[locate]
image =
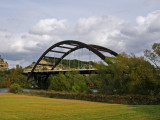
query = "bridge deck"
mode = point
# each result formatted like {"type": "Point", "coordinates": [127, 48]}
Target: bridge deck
{"type": "Point", "coordinates": [81, 71]}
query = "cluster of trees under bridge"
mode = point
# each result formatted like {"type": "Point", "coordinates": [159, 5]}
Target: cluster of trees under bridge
{"type": "Point", "coordinates": [127, 74]}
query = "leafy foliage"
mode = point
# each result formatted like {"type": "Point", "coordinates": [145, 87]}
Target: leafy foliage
{"type": "Point", "coordinates": [3, 79]}
{"type": "Point", "coordinates": [154, 55]}
{"type": "Point", "coordinates": [79, 85]}
{"type": "Point", "coordinates": [12, 76]}
{"type": "Point", "coordinates": [127, 75]}
{"type": "Point", "coordinates": [17, 77]}
{"type": "Point", "coordinates": [15, 88]}
{"type": "Point", "coordinates": [70, 82]}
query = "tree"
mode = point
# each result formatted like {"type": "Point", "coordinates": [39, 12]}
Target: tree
{"type": "Point", "coordinates": [80, 84]}
{"type": "Point", "coordinates": [103, 80]}
{"type": "Point", "coordinates": [70, 82]}
{"type": "Point", "coordinates": [143, 79]}
{"type": "Point", "coordinates": [57, 83]}
{"type": "Point", "coordinates": [16, 76]}
{"type": "Point", "coordinates": [4, 82]}
{"type": "Point", "coordinates": [126, 75]}
{"type": "Point", "coordinates": [12, 76]}
{"type": "Point", "coordinates": [15, 88]}
{"type": "Point", "coordinates": [154, 55]}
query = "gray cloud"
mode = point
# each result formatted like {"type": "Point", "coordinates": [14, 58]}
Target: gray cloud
{"type": "Point", "coordinates": [151, 3]}
{"type": "Point", "coordinates": [108, 31]}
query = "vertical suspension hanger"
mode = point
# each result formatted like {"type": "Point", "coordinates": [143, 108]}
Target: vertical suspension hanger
{"type": "Point", "coordinates": [74, 61]}
{"type": "Point", "coordinates": [54, 58]}
{"type": "Point", "coordinates": [78, 59]}
{"type": "Point", "coordinates": [82, 59]}
{"type": "Point", "coordinates": [89, 58]}
{"type": "Point", "coordinates": [47, 64]}
{"type": "Point", "coordinates": [69, 61]}
{"type": "Point", "coordinates": [61, 64]}
{"type": "Point", "coordinates": [66, 63]}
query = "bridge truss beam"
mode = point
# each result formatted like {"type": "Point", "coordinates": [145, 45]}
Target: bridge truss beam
{"type": "Point", "coordinates": [73, 46]}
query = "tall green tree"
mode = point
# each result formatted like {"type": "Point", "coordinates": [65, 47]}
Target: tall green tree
{"type": "Point", "coordinates": [3, 79]}
{"type": "Point", "coordinates": [16, 76]}
{"type": "Point", "coordinates": [80, 84]}
{"type": "Point", "coordinates": [70, 82]}
{"type": "Point", "coordinates": [57, 83]}
{"type": "Point", "coordinates": [126, 75]}
{"type": "Point", "coordinates": [154, 55]}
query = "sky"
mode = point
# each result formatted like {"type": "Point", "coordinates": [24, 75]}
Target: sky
{"type": "Point", "coordinates": [29, 27]}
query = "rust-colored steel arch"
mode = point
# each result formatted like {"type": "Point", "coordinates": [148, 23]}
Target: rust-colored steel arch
{"type": "Point", "coordinates": [76, 45]}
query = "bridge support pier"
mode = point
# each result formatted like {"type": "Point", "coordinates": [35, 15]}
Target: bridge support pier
{"type": "Point", "coordinates": [32, 80]}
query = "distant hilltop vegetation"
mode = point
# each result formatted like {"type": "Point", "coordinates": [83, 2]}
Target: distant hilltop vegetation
{"type": "Point", "coordinates": [46, 64]}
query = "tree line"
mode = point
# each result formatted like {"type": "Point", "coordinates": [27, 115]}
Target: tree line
{"type": "Point", "coordinates": [126, 74]}
{"type": "Point", "coordinates": [14, 76]}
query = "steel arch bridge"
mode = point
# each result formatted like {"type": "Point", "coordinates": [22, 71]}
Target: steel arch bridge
{"type": "Point", "coordinates": [73, 46]}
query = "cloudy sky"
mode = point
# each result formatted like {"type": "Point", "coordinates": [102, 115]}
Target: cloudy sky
{"type": "Point", "coordinates": [29, 27]}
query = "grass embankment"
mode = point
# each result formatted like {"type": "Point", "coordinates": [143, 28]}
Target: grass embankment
{"type": "Point", "coordinates": [23, 107]}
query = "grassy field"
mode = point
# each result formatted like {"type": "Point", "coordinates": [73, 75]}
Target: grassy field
{"type": "Point", "coordinates": [23, 107]}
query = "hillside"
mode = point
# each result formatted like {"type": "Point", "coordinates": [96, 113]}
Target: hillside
{"type": "Point", "coordinates": [64, 64]}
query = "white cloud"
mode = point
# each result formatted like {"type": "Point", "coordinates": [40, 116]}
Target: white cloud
{"type": "Point", "coordinates": [24, 48]}
{"type": "Point", "coordinates": [144, 34]}
{"type": "Point", "coordinates": [50, 26]}
{"type": "Point", "coordinates": [150, 23]}
{"type": "Point", "coordinates": [100, 30]}
{"type": "Point", "coordinates": [118, 34]}
{"type": "Point", "coordinates": [24, 42]}
{"type": "Point", "coordinates": [98, 23]}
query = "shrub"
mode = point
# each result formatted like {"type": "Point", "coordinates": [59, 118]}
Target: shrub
{"type": "Point", "coordinates": [115, 99]}
{"type": "Point", "coordinates": [15, 88]}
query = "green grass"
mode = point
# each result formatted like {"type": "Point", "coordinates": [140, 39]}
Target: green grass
{"type": "Point", "coordinates": [23, 107]}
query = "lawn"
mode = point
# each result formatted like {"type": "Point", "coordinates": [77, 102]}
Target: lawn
{"type": "Point", "coordinates": [23, 107]}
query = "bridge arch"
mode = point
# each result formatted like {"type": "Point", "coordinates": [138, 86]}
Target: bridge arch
{"type": "Point", "coordinates": [76, 45]}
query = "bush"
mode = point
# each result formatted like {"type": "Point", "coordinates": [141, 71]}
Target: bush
{"type": "Point", "coordinates": [70, 82]}
{"type": "Point", "coordinates": [115, 99]}
{"type": "Point", "coordinates": [15, 88]}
